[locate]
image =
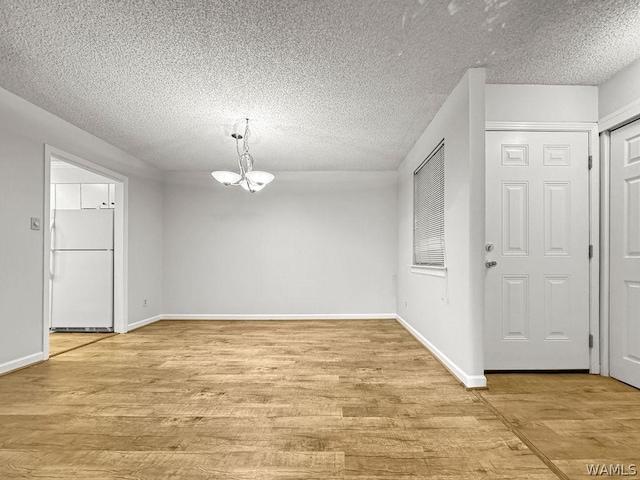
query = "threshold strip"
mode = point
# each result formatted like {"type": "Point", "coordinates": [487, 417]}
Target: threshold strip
{"type": "Point", "coordinates": [552, 466]}
{"type": "Point", "coordinates": [84, 344]}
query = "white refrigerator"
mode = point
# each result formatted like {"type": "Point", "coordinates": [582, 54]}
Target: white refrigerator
{"type": "Point", "coordinates": [82, 270]}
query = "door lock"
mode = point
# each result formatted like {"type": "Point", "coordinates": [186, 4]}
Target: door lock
{"type": "Point", "coordinates": [490, 263]}
{"type": "Point", "coordinates": [489, 247]}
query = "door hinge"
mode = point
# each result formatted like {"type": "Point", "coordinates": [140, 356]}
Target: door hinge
{"type": "Point", "coordinates": [590, 251]}
{"type": "Point", "coordinates": [590, 340]}
{"type": "Point", "coordinates": [590, 162]}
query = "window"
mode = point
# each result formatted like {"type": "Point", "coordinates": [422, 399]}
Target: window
{"type": "Point", "coordinates": [428, 220]}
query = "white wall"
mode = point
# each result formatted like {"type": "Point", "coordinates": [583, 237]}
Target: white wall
{"type": "Point", "coordinates": [21, 184]}
{"type": "Point", "coordinates": [145, 249]}
{"type": "Point", "coordinates": [620, 91]}
{"type": "Point", "coordinates": [24, 130]}
{"type": "Point", "coordinates": [448, 312]}
{"type": "Point", "coordinates": [541, 103]}
{"type": "Point", "coordinates": [314, 243]}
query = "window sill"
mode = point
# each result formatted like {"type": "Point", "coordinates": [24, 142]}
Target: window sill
{"type": "Point", "coordinates": [428, 270]}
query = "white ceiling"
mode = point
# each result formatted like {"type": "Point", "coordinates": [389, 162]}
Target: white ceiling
{"type": "Point", "coordinates": [327, 84]}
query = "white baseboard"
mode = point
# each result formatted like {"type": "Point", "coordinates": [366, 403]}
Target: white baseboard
{"type": "Point", "coordinates": [21, 362]}
{"type": "Point", "coordinates": [469, 381]}
{"type": "Point", "coordinates": [219, 316]}
{"type": "Point", "coordinates": [146, 321]}
{"type": "Point", "coordinates": [280, 316]}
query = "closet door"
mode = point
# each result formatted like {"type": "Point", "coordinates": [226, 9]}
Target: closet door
{"type": "Point", "coordinates": [624, 348]}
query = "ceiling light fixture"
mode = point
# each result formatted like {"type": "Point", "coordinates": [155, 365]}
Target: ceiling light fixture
{"type": "Point", "coordinates": [251, 180]}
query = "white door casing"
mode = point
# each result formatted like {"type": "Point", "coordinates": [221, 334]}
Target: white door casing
{"type": "Point", "coordinates": [625, 254]}
{"type": "Point", "coordinates": [537, 218]}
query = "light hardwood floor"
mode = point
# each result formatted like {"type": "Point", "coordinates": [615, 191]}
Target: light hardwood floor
{"type": "Point", "coordinates": [60, 342]}
{"type": "Point", "coordinates": [254, 400]}
{"type": "Point", "coordinates": [573, 419]}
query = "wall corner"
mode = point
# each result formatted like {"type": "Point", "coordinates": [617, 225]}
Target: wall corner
{"type": "Point", "coordinates": [477, 120]}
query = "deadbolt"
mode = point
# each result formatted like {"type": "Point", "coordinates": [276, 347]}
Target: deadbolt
{"type": "Point", "coordinates": [489, 247]}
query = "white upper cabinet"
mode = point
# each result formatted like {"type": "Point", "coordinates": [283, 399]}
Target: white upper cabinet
{"type": "Point", "coordinates": [68, 196]}
{"type": "Point", "coordinates": [95, 195]}
{"type": "Point", "coordinates": [76, 196]}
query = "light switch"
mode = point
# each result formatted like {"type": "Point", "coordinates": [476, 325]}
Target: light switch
{"type": "Point", "coordinates": [35, 223]}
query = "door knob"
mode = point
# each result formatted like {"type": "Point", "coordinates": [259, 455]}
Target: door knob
{"type": "Point", "coordinates": [490, 263]}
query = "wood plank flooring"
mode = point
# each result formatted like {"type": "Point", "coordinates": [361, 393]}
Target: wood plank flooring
{"type": "Point", "coordinates": [253, 401]}
{"type": "Point", "coordinates": [60, 342]}
{"type": "Point", "coordinates": [573, 419]}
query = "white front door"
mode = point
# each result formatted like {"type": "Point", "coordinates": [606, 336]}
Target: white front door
{"type": "Point", "coordinates": [537, 224]}
{"type": "Point", "coordinates": [624, 347]}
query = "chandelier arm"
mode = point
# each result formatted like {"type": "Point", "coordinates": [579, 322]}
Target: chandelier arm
{"type": "Point", "coordinates": [242, 172]}
{"type": "Point", "coordinates": [245, 140]}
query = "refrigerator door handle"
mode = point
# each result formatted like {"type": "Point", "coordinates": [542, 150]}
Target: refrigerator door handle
{"type": "Point", "coordinates": [52, 261]}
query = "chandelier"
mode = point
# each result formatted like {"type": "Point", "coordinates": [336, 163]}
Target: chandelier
{"type": "Point", "coordinates": [251, 180]}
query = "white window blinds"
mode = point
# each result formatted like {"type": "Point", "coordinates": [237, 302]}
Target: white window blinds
{"type": "Point", "coordinates": [428, 224]}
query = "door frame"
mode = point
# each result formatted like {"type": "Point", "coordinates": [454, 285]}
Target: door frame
{"type": "Point", "coordinates": [624, 116]}
{"type": "Point", "coordinates": [591, 128]}
{"type": "Point", "coordinates": [121, 243]}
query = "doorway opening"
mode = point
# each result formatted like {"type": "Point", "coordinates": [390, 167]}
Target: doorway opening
{"type": "Point", "coordinates": [84, 283]}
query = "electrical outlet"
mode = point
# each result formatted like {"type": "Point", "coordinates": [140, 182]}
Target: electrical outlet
{"type": "Point", "coordinates": [144, 302]}
{"type": "Point", "coordinates": [406, 304]}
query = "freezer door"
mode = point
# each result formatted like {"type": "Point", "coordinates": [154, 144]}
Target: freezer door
{"type": "Point", "coordinates": [82, 289]}
{"type": "Point", "coordinates": [83, 229]}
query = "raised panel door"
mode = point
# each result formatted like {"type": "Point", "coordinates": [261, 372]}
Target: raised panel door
{"type": "Point", "coordinates": [537, 219]}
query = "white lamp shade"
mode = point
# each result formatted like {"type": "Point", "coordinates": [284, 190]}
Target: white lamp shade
{"type": "Point", "coordinates": [259, 178]}
{"type": "Point", "coordinates": [227, 178]}
{"type": "Point", "coordinates": [255, 187]}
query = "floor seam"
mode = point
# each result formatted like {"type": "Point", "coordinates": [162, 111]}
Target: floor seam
{"type": "Point", "coordinates": [83, 345]}
{"type": "Point", "coordinates": [546, 460]}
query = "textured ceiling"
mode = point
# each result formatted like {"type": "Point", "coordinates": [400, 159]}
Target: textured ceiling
{"type": "Point", "coordinates": [327, 84]}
